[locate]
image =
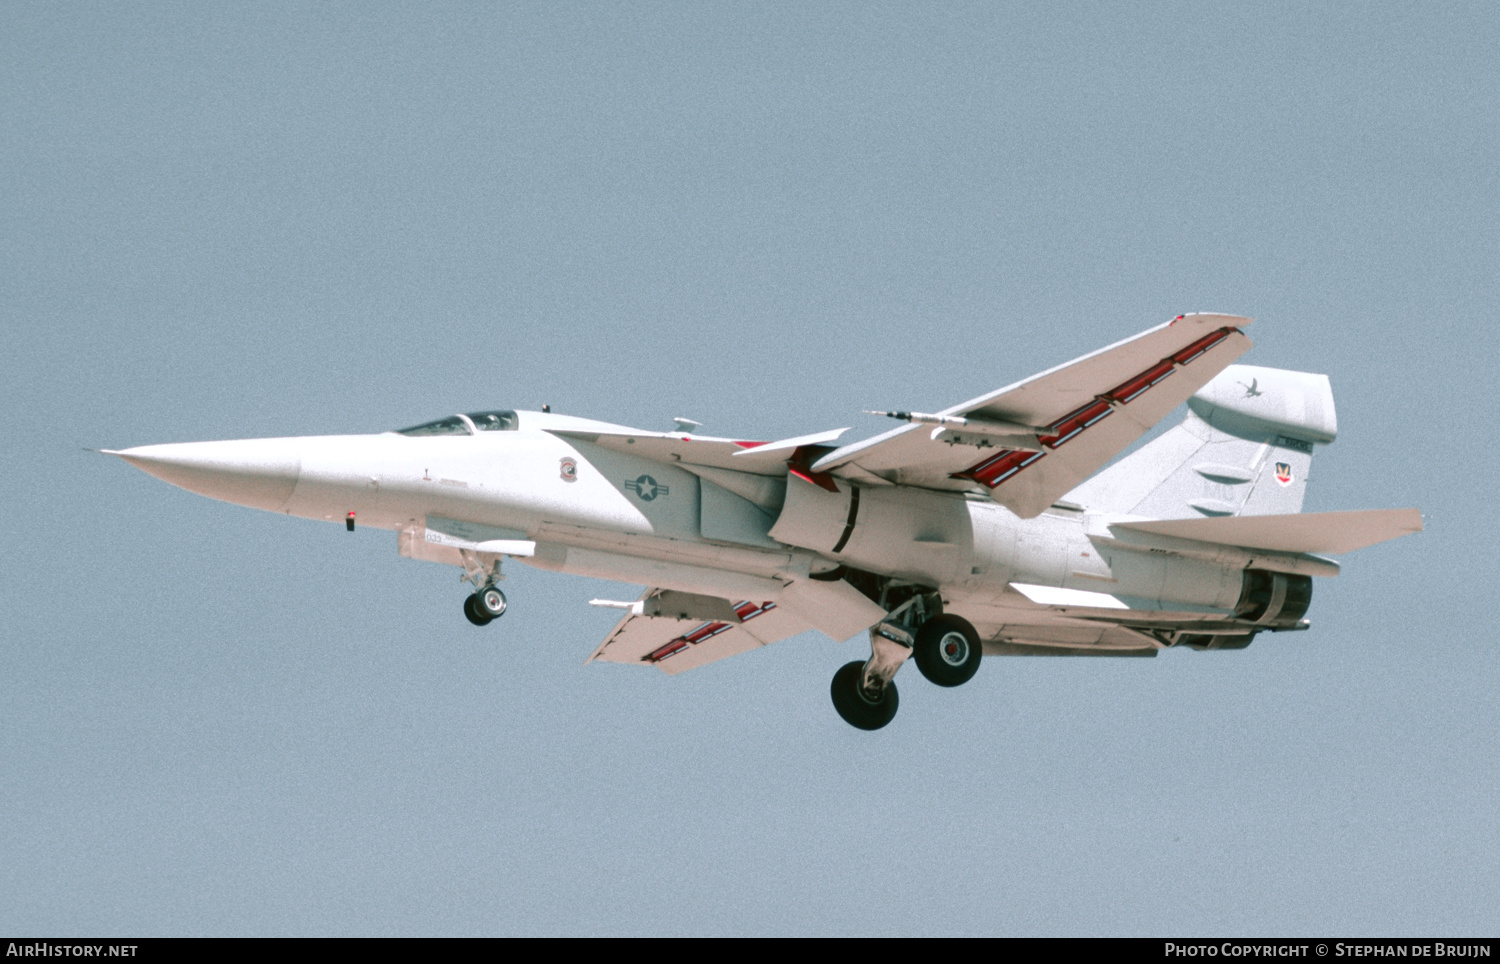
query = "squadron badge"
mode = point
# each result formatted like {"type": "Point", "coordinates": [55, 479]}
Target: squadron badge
{"type": "Point", "coordinates": [569, 470]}
{"type": "Point", "coordinates": [1284, 473]}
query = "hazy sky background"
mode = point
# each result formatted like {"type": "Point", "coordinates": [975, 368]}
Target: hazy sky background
{"type": "Point", "coordinates": [225, 221]}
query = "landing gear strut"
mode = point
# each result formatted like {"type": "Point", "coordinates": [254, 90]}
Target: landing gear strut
{"type": "Point", "coordinates": [864, 693]}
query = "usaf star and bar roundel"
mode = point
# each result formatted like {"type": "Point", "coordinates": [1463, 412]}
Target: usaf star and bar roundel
{"type": "Point", "coordinates": [647, 488]}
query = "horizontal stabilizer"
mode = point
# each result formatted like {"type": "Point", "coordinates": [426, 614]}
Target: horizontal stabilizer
{"type": "Point", "coordinates": [1330, 532]}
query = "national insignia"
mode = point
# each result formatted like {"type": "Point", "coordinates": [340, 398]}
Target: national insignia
{"type": "Point", "coordinates": [646, 487]}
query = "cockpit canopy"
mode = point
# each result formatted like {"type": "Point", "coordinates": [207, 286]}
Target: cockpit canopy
{"type": "Point", "coordinates": [501, 420]}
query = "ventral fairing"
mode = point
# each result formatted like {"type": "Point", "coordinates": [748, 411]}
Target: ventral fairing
{"type": "Point", "coordinates": [985, 529]}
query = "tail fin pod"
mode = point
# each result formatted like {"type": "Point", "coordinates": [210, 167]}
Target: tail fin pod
{"type": "Point", "coordinates": [1244, 449]}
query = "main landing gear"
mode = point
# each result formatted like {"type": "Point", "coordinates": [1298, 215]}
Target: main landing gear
{"type": "Point", "coordinates": [488, 602]}
{"type": "Point", "coordinates": [946, 648]}
{"type": "Point", "coordinates": [868, 708]}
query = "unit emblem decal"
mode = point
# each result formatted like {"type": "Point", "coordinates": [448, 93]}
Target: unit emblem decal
{"type": "Point", "coordinates": [1284, 473]}
{"type": "Point", "coordinates": [646, 487]}
{"type": "Point", "coordinates": [569, 470]}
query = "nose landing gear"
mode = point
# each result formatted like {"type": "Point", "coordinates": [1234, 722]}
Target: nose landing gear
{"type": "Point", "coordinates": [487, 603]}
{"type": "Point", "coordinates": [484, 606]}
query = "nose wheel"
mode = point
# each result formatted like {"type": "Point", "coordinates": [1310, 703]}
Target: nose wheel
{"type": "Point", "coordinates": [485, 606]}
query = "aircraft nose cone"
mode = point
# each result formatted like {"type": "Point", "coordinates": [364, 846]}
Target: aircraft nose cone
{"type": "Point", "coordinates": [260, 473]}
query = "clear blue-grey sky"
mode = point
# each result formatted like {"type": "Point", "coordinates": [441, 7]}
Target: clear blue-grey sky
{"type": "Point", "coordinates": [225, 221]}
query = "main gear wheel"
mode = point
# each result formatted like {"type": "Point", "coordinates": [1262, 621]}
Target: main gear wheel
{"type": "Point", "coordinates": [947, 650]}
{"type": "Point", "coordinates": [856, 705]}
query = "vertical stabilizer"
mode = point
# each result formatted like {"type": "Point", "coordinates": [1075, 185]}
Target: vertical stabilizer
{"type": "Point", "coordinates": [1244, 448]}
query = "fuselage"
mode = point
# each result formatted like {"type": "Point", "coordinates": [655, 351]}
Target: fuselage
{"type": "Point", "coordinates": [607, 513]}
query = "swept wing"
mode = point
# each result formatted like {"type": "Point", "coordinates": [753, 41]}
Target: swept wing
{"type": "Point", "coordinates": [675, 632]}
{"type": "Point", "coordinates": [1031, 442]}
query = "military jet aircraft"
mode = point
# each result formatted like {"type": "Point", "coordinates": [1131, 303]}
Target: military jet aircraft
{"type": "Point", "coordinates": [979, 530]}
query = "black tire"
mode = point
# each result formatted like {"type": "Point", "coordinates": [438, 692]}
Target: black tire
{"type": "Point", "coordinates": [473, 613]}
{"type": "Point", "coordinates": [947, 650]}
{"type": "Point", "coordinates": [490, 601]}
{"type": "Point", "coordinates": [856, 708]}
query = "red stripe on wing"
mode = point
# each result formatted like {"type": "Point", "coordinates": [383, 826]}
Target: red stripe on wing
{"type": "Point", "coordinates": [746, 610]}
{"type": "Point", "coordinates": [998, 468]}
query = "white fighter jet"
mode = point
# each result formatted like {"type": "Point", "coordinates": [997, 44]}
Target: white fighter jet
{"type": "Point", "coordinates": [979, 530]}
